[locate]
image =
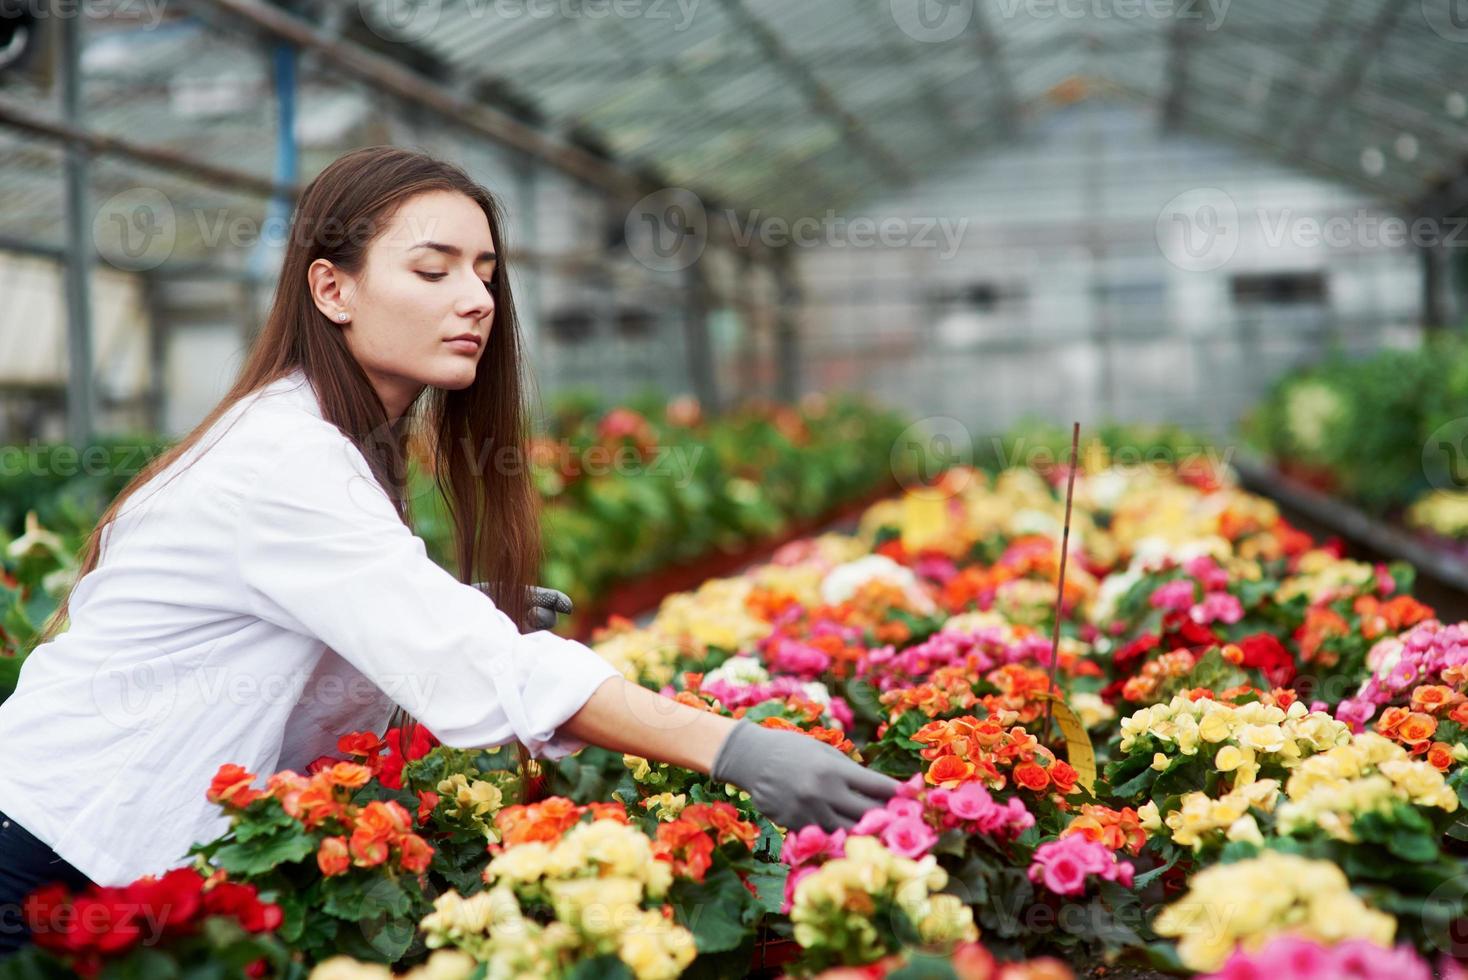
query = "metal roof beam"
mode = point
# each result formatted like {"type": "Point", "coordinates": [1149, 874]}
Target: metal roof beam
{"type": "Point", "coordinates": [1347, 79]}
{"type": "Point", "coordinates": [1181, 35]}
{"type": "Point", "coordinates": [820, 98]}
{"type": "Point", "coordinates": [991, 55]}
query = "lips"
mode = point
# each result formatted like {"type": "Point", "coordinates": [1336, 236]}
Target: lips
{"type": "Point", "coordinates": [471, 338]}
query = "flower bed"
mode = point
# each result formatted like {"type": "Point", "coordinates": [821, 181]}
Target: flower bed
{"type": "Point", "coordinates": [1280, 736]}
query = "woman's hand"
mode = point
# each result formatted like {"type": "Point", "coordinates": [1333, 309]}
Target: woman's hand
{"type": "Point", "coordinates": [794, 779]}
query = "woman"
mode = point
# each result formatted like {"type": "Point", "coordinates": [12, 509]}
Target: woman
{"type": "Point", "coordinates": [261, 592]}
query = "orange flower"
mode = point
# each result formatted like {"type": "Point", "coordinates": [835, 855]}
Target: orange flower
{"type": "Point", "coordinates": [1391, 719]}
{"type": "Point", "coordinates": [1460, 713]}
{"type": "Point", "coordinates": [546, 820]}
{"type": "Point", "coordinates": [688, 846]}
{"type": "Point", "coordinates": [1063, 775]}
{"type": "Point", "coordinates": [608, 811]}
{"type": "Point", "coordinates": [1417, 728]}
{"type": "Point", "coordinates": [1441, 756]}
{"type": "Point", "coordinates": [231, 787]}
{"type": "Point", "coordinates": [1432, 698]}
{"type": "Point", "coordinates": [365, 744]}
{"type": "Point", "coordinates": [1031, 776]}
{"type": "Point", "coordinates": [415, 854]}
{"type": "Point", "coordinates": [949, 771]}
{"type": "Point", "coordinates": [1116, 829]}
{"type": "Point", "coordinates": [724, 820]}
{"type": "Point", "coordinates": [380, 824]}
{"type": "Point", "coordinates": [332, 857]}
{"type": "Point", "coordinates": [315, 803]}
{"type": "Point", "coordinates": [349, 775]}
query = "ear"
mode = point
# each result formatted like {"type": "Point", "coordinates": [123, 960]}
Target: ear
{"type": "Point", "coordinates": [330, 289]}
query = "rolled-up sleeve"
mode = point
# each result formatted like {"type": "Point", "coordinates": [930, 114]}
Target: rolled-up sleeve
{"type": "Point", "coordinates": [322, 552]}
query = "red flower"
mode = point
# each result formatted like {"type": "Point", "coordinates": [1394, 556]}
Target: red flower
{"type": "Point", "coordinates": [1141, 646]}
{"type": "Point", "coordinates": [1264, 652]}
{"type": "Point", "coordinates": [427, 800]}
{"type": "Point", "coordinates": [1180, 631]}
{"type": "Point", "coordinates": [242, 903]}
{"type": "Point", "coordinates": [391, 772]}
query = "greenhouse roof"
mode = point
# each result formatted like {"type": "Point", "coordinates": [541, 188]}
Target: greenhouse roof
{"type": "Point", "coordinates": [796, 105]}
{"type": "Point", "coordinates": [790, 107]}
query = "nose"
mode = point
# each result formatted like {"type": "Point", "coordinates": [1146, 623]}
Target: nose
{"type": "Point", "coordinates": [476, 302]}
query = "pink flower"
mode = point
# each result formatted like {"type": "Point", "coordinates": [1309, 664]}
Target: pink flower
{"type": "Point", "coordinates": [1217, 607]}
{"type": "Point", "coordinates": [810, 843]}
{"type": "Point", "coordinates": [791, 881]}
{"type": "Point", "coordinates": [1063, 875]}
{"type": "Point", "coordinates": [1175, 596]}
{"type": "Point", "coordinates": [1207, 572]}
{"type": "Point", "coordinates": [970, 801]}
{"type": "Point", "coordinates": [1290, 957]}
{"type": "Point", "coordinates": [1064, 864]}
{"type": "Point", "coordinates": [873, 822]}
{"type": "Point", "coordinates": [902, 807]}
{"type": "Point", "coordinates": [1355, 712]}
{"type": "Point", "coordinates": [909, 837]}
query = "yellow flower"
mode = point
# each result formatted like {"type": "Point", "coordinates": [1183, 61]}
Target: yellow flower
{"type": "Point", "coordinates": [1215, 726]}
{"type": "Point", "coordinates": [1249, 902]}
{"type": "Point", "coordinates": [666, 806]}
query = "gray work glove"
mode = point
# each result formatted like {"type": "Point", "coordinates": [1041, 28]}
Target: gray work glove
{"type": "Point", "coordinates": [795, 780]}
{"type": "Point", "coordinates": [544, 605]}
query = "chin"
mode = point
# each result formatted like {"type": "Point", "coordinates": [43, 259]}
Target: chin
{"type": "Point", "coordinates": [458, 375]}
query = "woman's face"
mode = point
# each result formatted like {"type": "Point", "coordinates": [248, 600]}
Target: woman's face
{"type": "Point", "coordinates": [426, 281]}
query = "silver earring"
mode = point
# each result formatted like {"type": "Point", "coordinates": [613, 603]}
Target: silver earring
{"type": "Point", "coordinates": [342, 317]}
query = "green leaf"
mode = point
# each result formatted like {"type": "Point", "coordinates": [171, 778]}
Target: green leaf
{"type": "Point", "coordinates": [606, 967]}
{"type": "Point", "coordinates": [254, 857]}
{"type": "Point", "coordinates": [713, 910]}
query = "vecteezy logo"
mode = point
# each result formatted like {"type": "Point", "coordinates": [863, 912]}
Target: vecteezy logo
{"type": "Point", "coordinates": [1447, 18]}
{"type": "Point", "coordinates": [401, 20]}
{"type": "Point", "coordinates": [135, 687]}
{"type": "Point", "coordinates": [1445, 456]}
{"type": "Point", "coordinates": [932, 21]}
{"type": "Point", "coordinates": [667, 230]}
{"type": "Point", "coordinates": [928, 448]}
{"type": "Point", "coordinates": [1198, 230]}
{"type": "Point", "coordinates": [136, 229]}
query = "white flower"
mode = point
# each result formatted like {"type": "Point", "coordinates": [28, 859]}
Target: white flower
{"type": "Point", "coordinates": [739, 671]}
{"type": "Point", "coordinates": [842, 581]}
{"type": "Point", "coordinates": [36, 538]}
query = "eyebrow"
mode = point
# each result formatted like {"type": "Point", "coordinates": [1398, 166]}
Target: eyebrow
{"type": "Point", "coordinates": [456, 251]}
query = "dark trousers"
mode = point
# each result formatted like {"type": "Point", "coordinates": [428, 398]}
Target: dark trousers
{"type": "Point", "coordinates": [25, 865]}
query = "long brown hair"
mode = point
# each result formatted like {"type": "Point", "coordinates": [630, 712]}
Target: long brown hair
{"type": "Point", "coordinates": [492, 508]}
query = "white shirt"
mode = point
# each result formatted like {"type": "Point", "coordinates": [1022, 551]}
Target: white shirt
{"type": "Point", "coordinates": [252, 608]}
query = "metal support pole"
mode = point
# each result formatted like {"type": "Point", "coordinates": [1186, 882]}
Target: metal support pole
{"type": "Point", "coordinates": [1437, 299]}
{"type": "Point", "coordinates": [79, 393]}
{"type": "Point", "coordinates": [696, 333]}
{"type": "Point", "coordinates": [787, 333]}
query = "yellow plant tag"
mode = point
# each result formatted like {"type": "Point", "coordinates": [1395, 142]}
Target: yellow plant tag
{"type": "Point", "coordinates": [1078, 749]}
{"type": "Point", "coordinates": [924, 520]}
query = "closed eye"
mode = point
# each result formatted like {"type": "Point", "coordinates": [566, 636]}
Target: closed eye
{"type": "Point", "coordinates": [489, 284]}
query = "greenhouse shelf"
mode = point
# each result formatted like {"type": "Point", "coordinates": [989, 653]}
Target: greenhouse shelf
{"type": "Point", "coordinates": [1445, 574]}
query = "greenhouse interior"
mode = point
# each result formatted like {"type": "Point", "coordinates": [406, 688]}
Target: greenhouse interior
{"type": "Point", "coordinates": [966, 489]}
